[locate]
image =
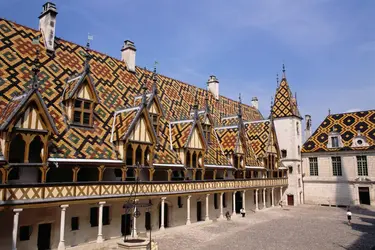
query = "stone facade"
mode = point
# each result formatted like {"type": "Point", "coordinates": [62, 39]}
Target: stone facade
{"type": "Point", "coordinates": [328, 189]}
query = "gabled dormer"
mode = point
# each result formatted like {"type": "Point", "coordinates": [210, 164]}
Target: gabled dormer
{"type": "Point", "coordinates": [334, 139]}
{"type": "Point", "coordinates": [133, 134]}
{"type": "Point", "coordinates": [81, 97]}
{"type": "Point", "coordinates": [26, 126]}
{"type": "Point", "coordinates": [359, 141]}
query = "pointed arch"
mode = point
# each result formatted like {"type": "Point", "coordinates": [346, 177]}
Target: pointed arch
{"type": "Point", "coordinates": [17, 150]}
{"type": "Point", "coordinates": [36, 150]}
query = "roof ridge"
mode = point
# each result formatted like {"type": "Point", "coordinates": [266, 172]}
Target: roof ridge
{"type": "Point", "coordinates": [351, 112]}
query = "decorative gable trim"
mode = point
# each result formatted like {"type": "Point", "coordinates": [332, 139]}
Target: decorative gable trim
{"type": "Point", "coordinates": [78, 88]}
{"type": "Point", "coordinates": [24, 103]}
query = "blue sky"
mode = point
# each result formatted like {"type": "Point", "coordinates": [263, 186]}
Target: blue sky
{"type": "Point", "coordinates": [328, 46]}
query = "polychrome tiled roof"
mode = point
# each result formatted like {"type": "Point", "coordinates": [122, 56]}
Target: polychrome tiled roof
{"type": "Point", "coordinates": [116, 89]}
{"type": "Point", "coordinates": [348, 125]}
{"type": "Point", "coordinates": [259, 134]}
{"type": "Point", "coordinates": [285, 104]}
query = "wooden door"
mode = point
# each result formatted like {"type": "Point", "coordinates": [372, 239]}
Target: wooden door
{"type": "Point", "coordinates": [290, 200]}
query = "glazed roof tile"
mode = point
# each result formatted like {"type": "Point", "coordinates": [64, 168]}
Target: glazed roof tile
{"type": "Point", "coordinates": [347, 125]}
{"type": "Point", "coordinates": [285, 104]}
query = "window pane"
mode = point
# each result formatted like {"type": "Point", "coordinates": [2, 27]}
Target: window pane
{"type": "Point", "coordinates": [77, 117]}
{"type": "Point", "coordinates": [336, 166]}
{"type": "Point", "coordinates": [313, 166]}
{"type": "Point", "coordinates": [86, 118]}
{"type": "Point", "coordinates": [77, 104]}
{"type": "Point", "coordinates": [87, 105]}
{"type": "Point", "coordinates": [362, 165]}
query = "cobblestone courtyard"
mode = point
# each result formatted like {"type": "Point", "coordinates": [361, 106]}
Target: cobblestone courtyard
{"type": "Point", "coordinates": [305, 227]}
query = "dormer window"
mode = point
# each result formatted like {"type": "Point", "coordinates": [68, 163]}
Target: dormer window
{"type": "Point", "coordinates": [359, 141]}
{"type": "Point", "coordinates": [207, 132]}
{"type": "Point", "coordinates": [83, 112]}
{"type": "Point", "coordinates": [334, 142]}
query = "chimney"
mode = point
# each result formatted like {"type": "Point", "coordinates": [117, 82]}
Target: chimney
{"type": "Point", "coordinates": [254, 102]}
{"type": "Point", "coordinates": [47, 25]}
{"type": "Point", "coordinates": [213, 86]}
{"type": "Point", "coordinates": [307, 127]}
{"type": "Point", "coordinates": [128, 55]}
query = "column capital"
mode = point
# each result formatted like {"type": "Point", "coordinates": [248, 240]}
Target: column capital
{"type": "Point", "coordinates": [264, 188]}
{"type": "Point", "coordinates": [273, 188]}
{"type": "Point", "coordinates": [207, 195]}
{"type": "Point", "coordinates": [243, 191]}
{"type": "Point", "coordinates": [257, 189]}
{"type": "Point", "coordinates": [163, 198]}
{"type": "Point", "coordinates": [64, 206]}
{"type": "Point", "coordinates": [222, 193]}
{"type": "Point", "coordinates": [101, 203]}
{"type": "Point", "coordinates": [18, 210]}
{"type": "Point", "coordinates": [189, 196]}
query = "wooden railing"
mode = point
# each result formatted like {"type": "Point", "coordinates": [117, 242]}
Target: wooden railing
{"type": "Point", "coordinates": [52, 192]}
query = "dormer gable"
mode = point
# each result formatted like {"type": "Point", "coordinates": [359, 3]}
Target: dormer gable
{"type": "Point", "coordinates": [27, 112]}
{"type": "Point", "coordinates": [359, 141]}
{"type": "Point", "coordinates": [196, 140]}
{"type": "Point", "coordinates": [334, 139]}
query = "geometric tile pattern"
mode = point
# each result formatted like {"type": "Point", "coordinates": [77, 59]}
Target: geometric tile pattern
{"type": "Point", "coordinates": [285, 104]}
{"type": "Point", "coordinates": [348, 125]}
{"type": "Point", "coordinates": [116, 89]}
{"type": "Point", "coordinates": [258, 133]}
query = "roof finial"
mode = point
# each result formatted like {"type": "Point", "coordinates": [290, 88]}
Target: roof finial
{"type": "Point", "coordinates": [154, 79]}
{"type": "Point", "coordinates": [144, 88]}
{"type": "Point", "coordinates": [195, 106]}
{"type": "Point", "coordinates": [295, 97]}
{"type": "Point", "coordinates": [239, 105]}
{"type": "Point", "coordinates": [284, 71]}
{"type": "Point", "coordinates": [271, 115]}
{"type": "Point", "coordinates": [206, 102]}
{"type": "Point", "coordinates": [36, 69]}
{"type": "Point", "coordinates": [277, 80]}
{"type": "Point", "coordinates": [87, 55]}
{"type": "Point", "coordinates": [329, 111]}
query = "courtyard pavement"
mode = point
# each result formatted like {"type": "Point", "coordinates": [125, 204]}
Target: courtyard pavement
{"type": "Point", "coordinates": [302, 227]}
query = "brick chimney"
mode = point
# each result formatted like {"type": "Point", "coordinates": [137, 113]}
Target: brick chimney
{"type": "Point", "coordinates": [307, 127]}
{"type": "Point", "coordinates": [47, 25]}
{"type": "Point", "coordinates": [128, 55]}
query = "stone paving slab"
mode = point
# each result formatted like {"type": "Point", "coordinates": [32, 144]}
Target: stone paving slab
{"type": "Point", "coordinates": [304, 227]}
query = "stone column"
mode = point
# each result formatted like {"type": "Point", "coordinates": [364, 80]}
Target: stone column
{"type": "Point", "coordinates": [134, 230]}
{"type": "Point", "coordinates": [188, 222]}
{"type": "Point", "coordinates": [244, 200]}
{"type": "Point", "coordinates": [234, 203]}
{"type": "Point", "coordinates": [256, 200]}
{"type": "Point", "coordinates": [100, 223]}
{"type": "Point", "coordinates": [62, 227]}
{"type": "Point", "coordinates": [207, 202]}
{"type": "Point", "coordinates": [162, 213]}
{"type": "Point", "coordinates": [264, 197]}
{"type": "Point", "coordinates": [221, 206]}
{"type": "Point", "coordinates": [272, 197]}
{"type": "Point", "coordinates": [16, 217]}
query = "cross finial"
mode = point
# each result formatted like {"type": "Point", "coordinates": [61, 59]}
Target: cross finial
{"type": "Point", "coordinates": [87, 55]}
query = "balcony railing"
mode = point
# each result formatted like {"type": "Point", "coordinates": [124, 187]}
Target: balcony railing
{"type": "Point", "coordinates": [52, 192]}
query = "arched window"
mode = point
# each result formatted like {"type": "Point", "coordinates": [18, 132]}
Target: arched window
{"type": "Point", "coordinates": [138, 155]}
{"type": "Point", "coordinates": [188, 163]}
{"type": "Point", "coordinates": [17, 150]}
{"type": "Point", "coordinates": [147, 157]}
{"type": "Point", "coordinates": [195, 158]}
{"type": "Point", "coordinates": [129, 155]}
{"type": "Point", "coordinates": [200, 160]}
{"type": "Point", "coordinates": [35, 152]}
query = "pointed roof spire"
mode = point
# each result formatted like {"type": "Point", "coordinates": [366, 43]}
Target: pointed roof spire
{"type": "Point", "coordinates": [36, 64]}
{"type": "Point", "coordinates": [271, 114]}
{"type": "Point", "coordinates": [284, 76]}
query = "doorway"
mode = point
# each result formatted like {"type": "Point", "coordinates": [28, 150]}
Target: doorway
{"type": "Point", "coordinates": [290, 200]}
{"type": "Point", "coordinates": [44, 236]}
{"type": "Point", "coordinates": [166, 213]}
{"type": "Point", "coordinates": [199, 211]}
{"type": "Point", "coordinates": [364, 195]}
{"type": "Point", "coordinates": [148, 221]}
{"type": "Point", "coordinates": [238, 202]}
{"type": "Point", "coordinates": [126, 223]}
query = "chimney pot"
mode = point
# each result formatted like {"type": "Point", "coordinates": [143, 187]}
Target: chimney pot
{"type": "Point", "coordinates": [47, 25]}
{"type": "Point", "coordinates": [254, 102]}
{"type": "Point", "coordinates": [213, 86]}
{"type": "Point", "coordinates": [128, 52]}
{"type": "Point", "coordinates": [307, 127]}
